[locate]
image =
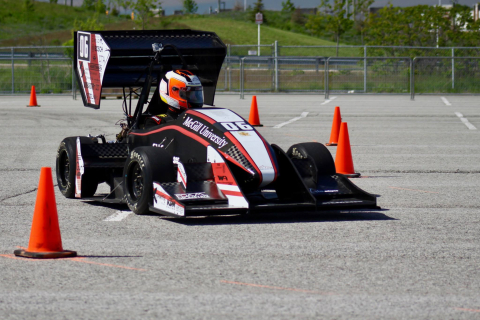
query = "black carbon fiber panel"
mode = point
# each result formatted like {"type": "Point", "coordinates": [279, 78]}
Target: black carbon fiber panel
{"type": "Point", "coordinates": [107, 150]}
{"type": "Point", "coordinates": [236, 154]}
{"type": "Point", "coordinates": [199, 171]}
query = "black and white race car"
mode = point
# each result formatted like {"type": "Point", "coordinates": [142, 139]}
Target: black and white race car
{"type": "Point", "coordinates": [208, 161]}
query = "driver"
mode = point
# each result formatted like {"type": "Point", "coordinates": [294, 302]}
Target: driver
{"type": "Point", "coordinates": [180, 90]}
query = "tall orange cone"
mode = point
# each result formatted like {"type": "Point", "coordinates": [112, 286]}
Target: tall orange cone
{"type": "Point", "coordinates": [45, 240]}
{"type": "Point", "coordinates": [337, 119]}
{"type": "Point", "coordinates": [33, 98]}
{"type": "Point", "coordinates": [254, 119]}
{"type": "Point", "coordinates": [343, 158]}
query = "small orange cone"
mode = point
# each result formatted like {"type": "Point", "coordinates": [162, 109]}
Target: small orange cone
{"type": "Point", "coordinates": [337, 119]}
{"type": "Point", "coordinates": [33, 98]}
{"type": "Point", "coordinates": [45, 240]}
{"type": "Point", "coordinates": [343, 158]}
{"type": "Point", "coordinates": [254, 119]}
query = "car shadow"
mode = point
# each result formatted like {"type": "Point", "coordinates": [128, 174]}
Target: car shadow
{"type": "Point", "coordinates": [274, 218]}
{"type": "Point", "coordinates": [264, 218]}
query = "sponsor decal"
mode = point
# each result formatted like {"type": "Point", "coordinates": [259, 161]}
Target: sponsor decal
{"type": "Point", "coordinates": [316, 191]}
{"type": "Point", "coordinates": [244, 133]}
{"type": "Point", "coordinates": [205, 131]}
{"type": "Point", "coordinates": [188, 196]}
{"type": "Point", "coordinates": [262, 167]}
{"type": "Point", "coordinates": [92, 55]}
{"type": "Point", "coordinates": [163, 201]}
{"type": "Point", "coordinates": [341, 202]}
{"type": "Point", "coordinates": [181, 174]}
{"type": "Point", "coordinates": [80, 169]}
{"type": "Point", "coordinates": [225, 180]}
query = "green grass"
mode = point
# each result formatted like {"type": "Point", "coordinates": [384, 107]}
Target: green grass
{"type": "Point", "coordinates": [47, 24]}
{"type": "Point", "coordinates": [51, 24]}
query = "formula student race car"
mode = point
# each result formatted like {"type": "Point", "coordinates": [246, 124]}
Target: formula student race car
{"type": "Point", "coordinates": [207, 161]}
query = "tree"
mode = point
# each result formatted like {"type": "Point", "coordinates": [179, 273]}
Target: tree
{"type": "Point", "coordinates": [336, 23]}
{"type": "Point", "coordinates": [89, 4]}
{"type": "Point", "coordinates": [288, 7]}
{"type": "Point", "coordinates": [144, 9]}
{"type": "Point", "coordinates": [91, 24]}
{"type": "Point", "coordinates": [298, 17]}
{"type": "Point", "coordinates": [100, 7]}
{"type": "Point", "coordinates": [54, 1]}
{"type": "Point", "coordinates": [125, 4]}
{"type": "Point", "coordinates": [28, 6]}
{"type": "Point", "coordinates": [258, 7]}
{"type": "Point", "coordinates": [189, 7]}
{"type": "Point", "coordinates": [361, 9]}
{"type": "Point", "coordinates": [238, 6]}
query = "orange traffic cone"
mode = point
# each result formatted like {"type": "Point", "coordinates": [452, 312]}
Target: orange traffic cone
{"type": "Point", "coordinates": [254, 119]}
{"type": "Point", "coordinates": [33, 98]}
{"type": "Point", "coordinates": [337, 119]}
{"type": "Point", "coordinates": [343, 158]}
{"type": "Point", "coordinates": [45, 240]}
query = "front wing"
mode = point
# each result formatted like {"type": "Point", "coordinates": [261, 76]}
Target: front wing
{"type": "Point", "coordinates": [221, 193]}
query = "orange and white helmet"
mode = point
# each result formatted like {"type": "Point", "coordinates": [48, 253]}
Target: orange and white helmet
{"type": "Point", "coordinates": [181, 90]}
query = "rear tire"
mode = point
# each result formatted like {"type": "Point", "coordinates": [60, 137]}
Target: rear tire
{"type": "Point", "coordinates": [66, 169]}
{"type": "Point", "coordinates": [143, 166]}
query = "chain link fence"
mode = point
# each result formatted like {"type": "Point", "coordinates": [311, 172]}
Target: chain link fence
{"type": "Point", "coordinates": [49, 69]}
{"type": "Point", "coordinates": [306, 69]}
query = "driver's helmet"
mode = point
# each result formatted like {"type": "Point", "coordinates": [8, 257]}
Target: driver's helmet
{"type": "Point", "coordinates": [181, 90]}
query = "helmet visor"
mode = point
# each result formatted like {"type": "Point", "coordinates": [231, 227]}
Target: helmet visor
{"type": "Point", "coordinates": [192, 95]}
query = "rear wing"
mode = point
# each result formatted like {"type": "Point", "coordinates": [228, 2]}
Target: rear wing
{"type": "Point", "coordinates": [117, 59]}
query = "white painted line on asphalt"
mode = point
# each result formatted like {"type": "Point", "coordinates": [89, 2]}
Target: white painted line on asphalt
{"type": "Point", "coordinates": [465, 121]}
{"type": "Point", "coordinates": [447, 103]}
{"type": "Point", "coordinates": [303, 115]}
{"type": "Point", "coordinates": [328, 100]}
{"type": "Point", "coordinates": [118, 216]}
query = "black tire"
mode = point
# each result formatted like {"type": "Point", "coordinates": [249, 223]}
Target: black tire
{"type": "Point", "coordinates": [143, 166]}
{"type": "Point", "coordinates": [66, 167]}
{"type": "Point", "coordinates": [317, 153]}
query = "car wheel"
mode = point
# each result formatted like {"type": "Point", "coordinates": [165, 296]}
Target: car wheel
{"type": "Point", "coordinates": [144, 166]}
{"type": "Point", "coordinates": [316, 152]}
{"type": "Point", "coordinates": [66, 169]}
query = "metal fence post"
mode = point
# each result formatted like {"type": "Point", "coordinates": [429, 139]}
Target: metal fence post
{"type": "Point", "coordinates": [326, 79]}
{"type": "Point", "coordinates": [242, 78]}
{"type": "Point", "coordinates": [453, 68]}
{"type": "Point", "coordinates": [229, 68]}
{"type": "Point", "coordinates": [73, 79]}
{"type": "Point", "coordinates": [412, 79]}
{"type": "Point", "coordinates": [365, 69]}
{"type": "Point", "coordinates": [276, 65]}
{"type": "Point", "coordinates": [13, 72]}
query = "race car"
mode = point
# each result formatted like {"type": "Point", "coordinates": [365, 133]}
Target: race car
{"type": "Point", "coordinates": [204, 160]}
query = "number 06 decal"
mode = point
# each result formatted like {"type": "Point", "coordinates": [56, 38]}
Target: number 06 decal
{"type": "Point", "coordinates": [83, 46]}
{"type": "Point", "coordinates": [234, 126]}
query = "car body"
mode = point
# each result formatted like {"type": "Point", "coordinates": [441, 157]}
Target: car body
{"type": "Point", "coordinates": [208, 160]}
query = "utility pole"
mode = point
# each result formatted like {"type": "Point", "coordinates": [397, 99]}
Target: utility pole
{"type": "Point", "coordinates": [245, 5]}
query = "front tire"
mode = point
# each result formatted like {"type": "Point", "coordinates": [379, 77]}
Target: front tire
{"type": "Point", "coordinates": [143, 166]}
{"type": "Point", "coordinates": [312, 159]}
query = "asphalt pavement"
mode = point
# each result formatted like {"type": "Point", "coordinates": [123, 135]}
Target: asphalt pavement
{"type": "Point", "coordinates": [418, 257]}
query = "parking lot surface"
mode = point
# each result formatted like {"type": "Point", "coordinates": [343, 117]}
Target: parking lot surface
{"type": "Point", "coordinates": [417, 257]}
